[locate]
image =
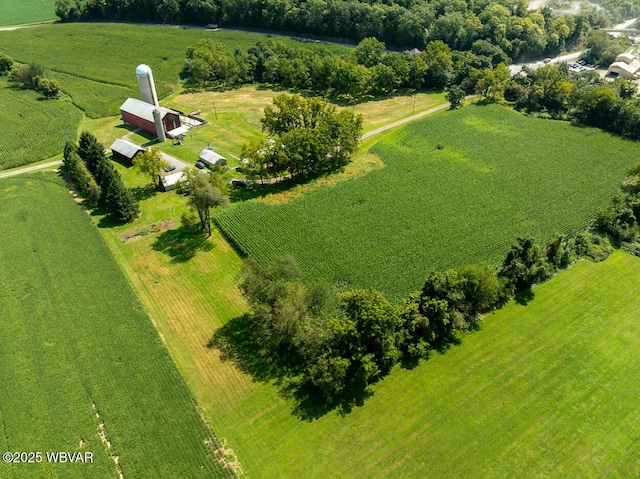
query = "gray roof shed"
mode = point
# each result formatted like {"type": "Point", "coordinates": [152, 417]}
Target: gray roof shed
{"type": "Point", "coordinates": [125, 149]}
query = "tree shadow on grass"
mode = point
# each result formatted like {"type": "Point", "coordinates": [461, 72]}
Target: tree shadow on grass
{"type": "Point", "coordinates": [182, 244]}
{"type": "Point", "coordinates": [260, 190]}
{"type": "Point", "coordinates": [235, 343]}
{"type": "Point", "coordinates": [523, 297]}
{"type": "Point", "coordinates": [144, 192]}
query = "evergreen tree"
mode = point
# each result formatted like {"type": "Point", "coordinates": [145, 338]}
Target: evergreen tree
{"type": "Point", "coordinates": [120, 202]}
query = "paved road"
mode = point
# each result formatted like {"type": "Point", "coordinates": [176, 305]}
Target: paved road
{"type": "Point", "coordinates": [570, 57]}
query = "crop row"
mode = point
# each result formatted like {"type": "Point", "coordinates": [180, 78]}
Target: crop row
{"type": "Point", "coordinates": [33, 129]}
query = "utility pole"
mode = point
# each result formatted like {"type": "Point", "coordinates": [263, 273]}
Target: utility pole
{"type": "Point", "coordinates": [215, 110]}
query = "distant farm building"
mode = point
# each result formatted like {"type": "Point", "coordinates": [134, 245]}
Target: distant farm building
{"type": "Point", "coordinates": [153, 119]}
{"type": "Point", "coordinates": [125, 150]}
{"type": "Point", "coordinates": [211, 158]}
{"type": "Point", "coordinates": [626, 65]}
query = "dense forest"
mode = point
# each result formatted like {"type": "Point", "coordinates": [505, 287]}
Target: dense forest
{"type": "Point", "coordinates": [399, 23]}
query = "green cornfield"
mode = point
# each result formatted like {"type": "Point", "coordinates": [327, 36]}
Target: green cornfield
{"type": "Point", "coordinates": [457, 188]}
{"type": "Point", "coordinates": [34, 128]}
{"type": "Point", "coordinates": [14, 12]}
{"type": "Point", "coordinates": [83, 368]}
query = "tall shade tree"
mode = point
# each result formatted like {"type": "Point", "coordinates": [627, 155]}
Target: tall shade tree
{"type": "Point", "coordinates": [202, 196]}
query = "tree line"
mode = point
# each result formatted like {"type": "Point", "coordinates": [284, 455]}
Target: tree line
{"type": "Point", "coordinates": [368, 71]}
{"type": "Point", "coordinates": [97, 180]}
{"type": "Point", "coordinates": [506, 24]}
{"type": "Point", "coordinates": [335, 345]}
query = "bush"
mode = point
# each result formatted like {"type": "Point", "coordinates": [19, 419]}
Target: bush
{"type": "Point", "coordinates": [525, 264]}
{"type": "Point", "coordinates": [592, 246]}
{"type": "Point", "coordinates": [49, 88]}
{"type": "Point", "coordinates": [6, 62]}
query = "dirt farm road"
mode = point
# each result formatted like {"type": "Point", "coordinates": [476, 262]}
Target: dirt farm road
{"type": "Point", "coordinates": [31, 168]}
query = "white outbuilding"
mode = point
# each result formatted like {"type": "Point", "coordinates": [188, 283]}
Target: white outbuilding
{"type": "Point", "coordinates": [626, 65]}
{"type": "Point", "coordinates": [168, 182]}
{"type": "Point", "coordinates": [210, 158]}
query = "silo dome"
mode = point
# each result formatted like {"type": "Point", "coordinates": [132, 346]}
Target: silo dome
{"type": "Point", "coordinates": [146, 84]}
{"type": "Point", "coordinates": [143, 69]}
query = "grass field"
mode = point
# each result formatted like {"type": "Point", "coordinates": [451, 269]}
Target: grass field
{"type": "Point", "coordinates": [544, 390]}
{"type": "Point", "coordinates": [34, 128]}
{"type": "Point", "coordinates": [496, 175]}
{"type": "Point", "coordinates": [84, 369]}
{"type": "Point", "coordinates": [101, 75]}
{"type": "Point", "coordinates": [14, 12]}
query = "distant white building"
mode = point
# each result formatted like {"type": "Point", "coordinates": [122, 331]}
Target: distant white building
{"type": "Point", "coordinates": [626, 65]}
{"type": "Point", "coordinates": [211, 158]}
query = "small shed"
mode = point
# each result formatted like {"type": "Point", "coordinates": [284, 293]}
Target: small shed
{"type": "Point", "coordinates": [211, 158]}
{"type": "Point", "coordinates": [125, 150]}
{"type": "Point", "coordinates": [140, 114]}
{"type": "Point", "coordinates": [168, 182]}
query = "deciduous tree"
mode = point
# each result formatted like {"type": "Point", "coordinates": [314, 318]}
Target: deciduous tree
{"type": "Point", "coordinates": [202, 196]}
{"type": "Point", "coordinates": [150, 163]}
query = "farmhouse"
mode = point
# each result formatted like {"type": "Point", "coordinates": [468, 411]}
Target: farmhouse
{"type": "Point", "coordinates": [626, 66]}
{"type": "Point", "coordinates": [211, 158]}
{"type": "Point", "coordinates": [153, 119]}
{"type": "Point", "coordinates": [125, 150]}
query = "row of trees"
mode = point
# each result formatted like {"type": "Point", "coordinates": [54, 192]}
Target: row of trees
{"type": "Point", "coordinates": [337, 344]}
{"type": "Point", "coordinates": [619, 219]}
{"type": "Point", "coordinates": [29, 76]}
{"type": "Point", "coordinates": [584, 98]}
{"type": "Point", "coordinates": [306, 136]}
{"type": "Point", "coordinates": [506, 24]}
{"type": "Point", "coordinates": [367, 71]}
{"type": "Point", "coordinates": [97, 180]}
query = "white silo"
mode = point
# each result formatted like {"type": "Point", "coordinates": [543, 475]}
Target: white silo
{"type": "Point", "coordinates": [147, 87]}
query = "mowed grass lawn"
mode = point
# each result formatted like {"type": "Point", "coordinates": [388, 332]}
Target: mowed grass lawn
{"type": "Point", "coordinates": [13, 12]}
{"type": "Point", "coordinates": [80, 355]}
{"type": "Point", "coordinates": [34, 128]}
{"type": "Point", "coordinates": [457, 187]}
{"type": "Point", "coordinates": [96, 62]}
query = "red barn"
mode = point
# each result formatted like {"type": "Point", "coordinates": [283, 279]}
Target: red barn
{"type": "Point", "coordinates": [140, 114]}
